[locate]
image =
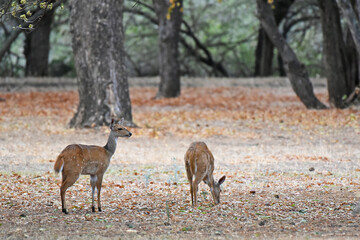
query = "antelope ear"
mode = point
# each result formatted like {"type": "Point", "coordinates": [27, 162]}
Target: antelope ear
{"type": "Point", "coordinates": [222, 180]}
{"type": "Point", "coordinates": [112, 123]}
{"type": "Point", "coordinates": [122, 121]}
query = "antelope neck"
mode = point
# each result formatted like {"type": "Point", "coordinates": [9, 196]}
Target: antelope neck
{"type": "Point", "coordinates": [111, 143]}
{"type": "Point", "coordinates": [209, 182]}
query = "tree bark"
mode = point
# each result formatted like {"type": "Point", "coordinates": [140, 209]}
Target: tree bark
{"type": "Point", "coordinates": [351, 15]}
{"type": "Point", "coordinates": [351, 20]}
{"type": "Point", "coordinates": [335, 57]}
{"type": "Point", "coordinates": [295, 71]}
{"type": "Point", "coordinates": [169, 35]}
{"type": "Point", "coordinates": [98, 39]}
{"type": "Point", "coordinates": [281, 69]}
{"type": "Point", "coordinates": [37, 47]}
{"type": "Point", "coordinates": [264, 52]}
{"type": "Point", "coordinates": [352, 57]}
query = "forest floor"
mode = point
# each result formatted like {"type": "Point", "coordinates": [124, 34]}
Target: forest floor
{"type": "Point", "coordinates": [292, 173]}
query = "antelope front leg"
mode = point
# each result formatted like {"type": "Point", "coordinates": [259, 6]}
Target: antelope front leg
{"type": "Point", "coordinates": [211, 185]}
{"type": "Point", "coordinates": [192, 194]}
{"type": "Point", "coordinates": [98, 186]}
{"type": "Point", "coordinates": [190, 177]}
{"type": "Point", "coordinates": [195, 184]}
{"type": "Point", "coordinates": [93, 179]}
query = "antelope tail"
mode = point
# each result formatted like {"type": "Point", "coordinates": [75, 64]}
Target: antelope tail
{"type": "Point", "coordinates": [59, 164]}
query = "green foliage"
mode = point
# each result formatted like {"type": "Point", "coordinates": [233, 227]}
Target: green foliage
{"type": "Point", "coordinates": [61, 62]}
{"type": "Point", "coordinates": [13, 64]}
{"type": "Point", "coordinates": [61, 59]}
{"type": "Point", "coordinates": [306, 37]}
{"type": "Point", "coordinates": [228, 30]}
{"type": "Point", "coordinates": [220, 27]}
{"type": "Point", "coordinates": [22, 11]}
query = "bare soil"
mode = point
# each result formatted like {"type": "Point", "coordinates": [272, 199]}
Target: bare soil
{"type": "Point", "coordinates": [292, 173]}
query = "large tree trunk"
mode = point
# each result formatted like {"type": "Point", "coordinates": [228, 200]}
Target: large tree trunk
{"type": "Point", "coordinates": [264, 52]}
{"type": "Point", "coordinates": [295, 71]}
{"type": "Point", "coordinates": [97, 37]}
{"type": "Point", "coordinates": [335, 56]}
{"type": "Point", "coordinates": [37, 47]}
{"type": "Point", "coordinates": [169, 35]}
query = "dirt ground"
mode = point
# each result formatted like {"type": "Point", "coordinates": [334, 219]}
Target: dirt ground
{"type": "Point", "coordinates": [292, 173]}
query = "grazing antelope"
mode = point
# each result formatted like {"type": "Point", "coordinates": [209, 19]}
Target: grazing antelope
{"type": "Point", "coordinates": [199, 162]}
{"type": "Point", "coordinates": [77, 159]}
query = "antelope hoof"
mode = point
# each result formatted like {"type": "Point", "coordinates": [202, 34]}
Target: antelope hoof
{"type": "Point", "coordinates": [64, 210]}
{"type": "Point", "coordinates": [93, 209]}
{"type": "Point", "coordinates": [100, 209]}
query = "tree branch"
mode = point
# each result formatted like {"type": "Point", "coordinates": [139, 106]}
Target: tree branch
{"type": "Point", "coordinates": [7, 44]}
{"type": "Point", "coordinates": [13, 36]}
{"type": "Point", "coordinates": [208, 60]}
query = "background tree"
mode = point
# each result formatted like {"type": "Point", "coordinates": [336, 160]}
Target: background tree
{"type": "Point", "coordinates": [216, 39]}
{"type": "Point", "coordinates": [301, 28]}
{"type": "Point", "coordinates": [265, 48]}
{"type": "Point", "coordinates": [295, 70]}
{"type": "Point", "coordinates": [98, 38]}
{"type": "Point", "coordinates": [169, 14]}
{"type": "Point", "coordinates": [351, 13]}
{"type": "Point", "coordinates": [37, 47]}
{"type": "Point", "coordinates": [338, 68]}
{"type": "Point", "coordinates": [34, 19]}
{"type": "Point", "coordinates": [193, 47]}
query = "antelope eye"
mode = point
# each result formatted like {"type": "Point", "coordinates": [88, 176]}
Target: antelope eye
{"type": "Point", "coordinates": [120, 129]}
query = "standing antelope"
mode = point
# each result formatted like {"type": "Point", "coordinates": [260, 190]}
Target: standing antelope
{"type": "Point", "coordinates": [199, 161]}
{"type": "Point", "coordinates": [77, 159]}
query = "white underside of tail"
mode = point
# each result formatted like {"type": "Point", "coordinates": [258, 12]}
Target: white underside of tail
{"type": "Point", "coordinates": [195, 170]}
{"type": "Point", "coordinates": [62, 167]}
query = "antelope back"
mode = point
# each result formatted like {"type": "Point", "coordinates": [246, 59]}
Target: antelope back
{"type": "Point", "coordinates": [200, 159]}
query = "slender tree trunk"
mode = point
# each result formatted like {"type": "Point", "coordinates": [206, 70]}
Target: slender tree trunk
{"type": "Point", "coordinates": [295, 70]}
{"type": "Point", "coordinates": [37, 47]}
{"type": "Point", "coordinates": [335, 56]}
{"type": "Point", "coordinates": [97, 37]}
{"type": "Point", "coordinates": [264, 52]}
{"type": "Point", "coordinates": [169, 34]}
{"type": "Point", "coordinates": [282, 72]}
{"type": "Point", "coordinates": [351, 15]}
{"type": "Point", "coordinates": [352, 57]}
{"type": "Point", "coordinates": [351, 20]}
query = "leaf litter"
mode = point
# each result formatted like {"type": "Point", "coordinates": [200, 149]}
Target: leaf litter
{"type": "Point", "coordinates": [263, 140]}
